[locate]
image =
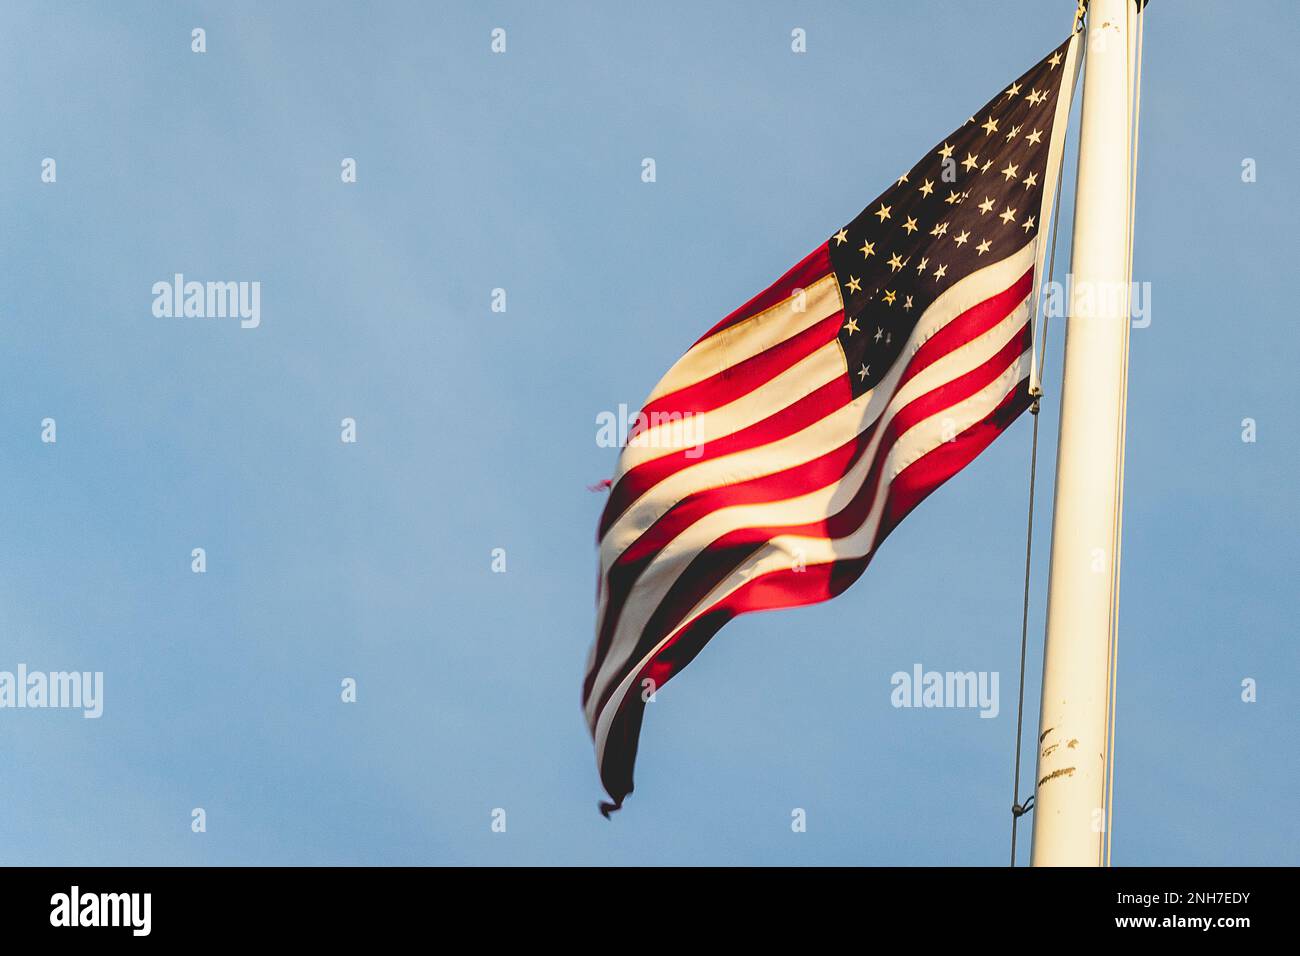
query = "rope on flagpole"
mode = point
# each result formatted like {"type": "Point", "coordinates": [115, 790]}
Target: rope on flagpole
{"type": "Point", "coordinates": [1017, 808]}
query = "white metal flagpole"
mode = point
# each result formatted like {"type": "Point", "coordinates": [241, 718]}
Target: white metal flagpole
{"type": "Point", "coordinates": [1070, 812]}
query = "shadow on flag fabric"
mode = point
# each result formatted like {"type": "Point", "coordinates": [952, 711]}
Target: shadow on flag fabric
{"type": "Point", "coordinates": [775, 456]}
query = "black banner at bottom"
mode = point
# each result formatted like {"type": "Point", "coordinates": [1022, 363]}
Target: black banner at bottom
{"type": "Point", "coordinates": [93, 905]}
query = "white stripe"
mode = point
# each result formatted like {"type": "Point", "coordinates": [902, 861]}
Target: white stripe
{"type": "Point", "coordinates": [756, 334]}
{"type": "Point", "coordinates": [1060, 123]}
{"type": "Point", "coordinates": [780, 551]}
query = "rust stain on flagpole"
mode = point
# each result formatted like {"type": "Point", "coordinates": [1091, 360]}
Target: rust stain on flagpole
{"type": "Point", "coordinates": [1063, 772]}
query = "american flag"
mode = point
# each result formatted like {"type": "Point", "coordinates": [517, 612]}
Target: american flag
{"type": "Point", "coordinates": [772, 460]}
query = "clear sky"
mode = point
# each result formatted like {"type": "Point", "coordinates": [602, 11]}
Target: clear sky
{"type": "Point", "coordinates": [476, 430]}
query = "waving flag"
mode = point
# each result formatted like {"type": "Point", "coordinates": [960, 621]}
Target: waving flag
{"type": "Point", "coordinates": [775, 456]}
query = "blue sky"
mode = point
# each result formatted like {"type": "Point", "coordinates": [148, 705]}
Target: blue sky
{"type": "Point", "coordinates": [477, 431]}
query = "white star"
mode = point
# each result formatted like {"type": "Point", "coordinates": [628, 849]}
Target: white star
{"type": "Point", "coordinates": [983, 247]}
{"type": "Point", "coordinates": [1031, 180]}
{"type": "Point", "coordinates": [938, 273]}
{"type": "Point", "coordinates": [990, 127]}
{"type": "Point", "coordinates": [1010, 171]}
{"type": "Point", "coordinates": [841, 236]}
{"type": "Point", "coordinates": [910, 225]}
{"type": "Point", "coordinates": [1028, 224]}
{"type": "Point", "coordinates": [987, 205]}
{"type": "Point", "coordinates": [879, 333]}
{"type": "Point", "coordinates": [946, 152]}
{"type": "Point", "coordinates": [1014, 89]}
{"type": "Point", "coordinates": [970, 162]}
{"type": "Point", "coordinates": [961, 240]}
{"type": "Point", "coordinates": [883, 212]}
{"type": "Point", "coordinates": [1009, 216]}
{"type": "Point", "coordinates": [1056, 60]}
{"type": "Point", "coordinates": [895, 263]}
{"type": "Point", "coordinates": [1034, 137]}
{"type": "Point", "coordinates": [864, 371]}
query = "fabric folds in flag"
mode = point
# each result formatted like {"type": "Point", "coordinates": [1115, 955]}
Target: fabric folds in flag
{"type": "Point", "coordinates": [771, 461]}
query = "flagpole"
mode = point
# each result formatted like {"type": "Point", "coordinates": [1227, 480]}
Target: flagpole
{"type": "Point", "coordinates": [1070, 812]}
